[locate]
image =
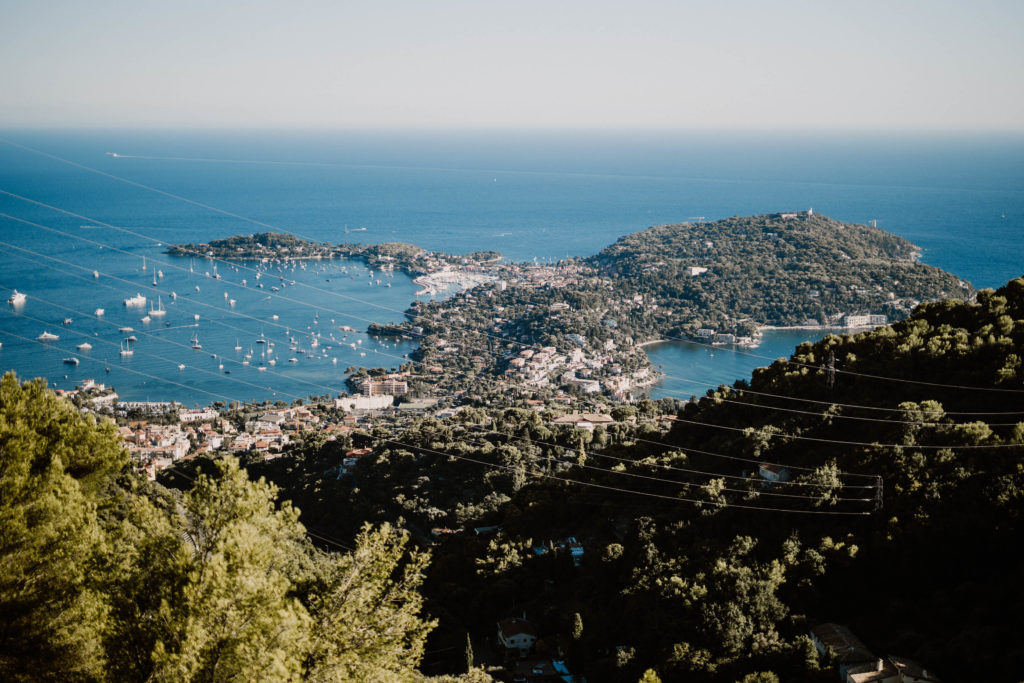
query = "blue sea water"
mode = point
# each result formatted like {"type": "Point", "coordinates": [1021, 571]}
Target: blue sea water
{"type": "Point", "coordinates": [530, 195]}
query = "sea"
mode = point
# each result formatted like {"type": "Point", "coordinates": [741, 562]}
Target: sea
{"type": "Point", "coordinates": [86, 217]}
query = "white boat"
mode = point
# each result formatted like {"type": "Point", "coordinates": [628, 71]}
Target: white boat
{"type": "Point", "coordinates": [137, 301]}
{"type": "Point", "coordinates": [84, 346]}
{"type": "Point", "coordinates": [196, 316]}
{"type": "Point", "coordinates": [71, 361]}
{"type": "Point", "coordinates": [159, 311]}
{"type": "Point", "coordinates": [238, 347]}
{"type": "Point", "coordinates": [261, 339]}
{"type": "Point", "coordinates": [131, 338]}
{"type": "Point", "coordinates": [160, 273]}
{"type": "Point", "coordinates": [126, 348]}
{"type": "Point", "coordinates": [293, 360]}
{"type": "Point", "coordinates": [195, 342]}
{"type": "Point", "coordinates": [272, 362]}
{"type": "Point", "coordinates": [262, 368]}
{"type": "Point", "coordinates": [181, 366]}
{"type": "Point", "coordinates": [96, 274]}
{"type": "Point", "coordinates": [67, 321]}
{"type": "Point", "coordinates": [17, 298]}
{"type": "Point", "coordinates": [146, 320]}
{"type": "Point", "coordinates": [275, 316]}
{"type": "Point", "coordinates": [174, 296]}
{"type": "Point", "coordinates": [231, 302]}
{"type": "Point", "coordinates": [99, 312]}
{"type": "Point", "coordinates": [47, 337]}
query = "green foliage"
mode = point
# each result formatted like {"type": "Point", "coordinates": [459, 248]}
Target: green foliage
{"type": "Point", "coordinates": [51, 543]}
{"type": "Point", "coordinates": [106, 577]}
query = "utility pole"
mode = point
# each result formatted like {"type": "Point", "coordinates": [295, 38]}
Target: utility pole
{"type": "Point", "coordinates": [830, 371]}
{"type": "Point", "coordinates": [878, 493]}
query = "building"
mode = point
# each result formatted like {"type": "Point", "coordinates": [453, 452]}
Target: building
{"type": "Point", "coordinates": [890, 669]}
{"type": "Point", "coordinates": [517, 634]}
{"type": "Point", "coordinates": [773, 473]}
{"type": "Point", "coordinates": [865, 320]}
{"type": "Point", "coordinates": [694, 271]}
{"type": "Point", "coordinates": [838, 641]}
{"type": "Point", "coordinates": [372, 402]}
{"type": "Point", "coordinates": [393, 387]}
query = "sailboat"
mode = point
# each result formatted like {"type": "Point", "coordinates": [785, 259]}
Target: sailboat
{"type": "Point", "coordinates": [195, 341]}
{"type": "Point", "coordinates": [126, 348]}
{"type": "Point", "coordinates": [238, 347]}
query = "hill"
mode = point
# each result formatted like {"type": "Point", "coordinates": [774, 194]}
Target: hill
{"type": "Point", "coordinates": [775, 269]}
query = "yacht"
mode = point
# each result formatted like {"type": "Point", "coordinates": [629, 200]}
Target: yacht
{"type": "Point", "coordinates": [17, 298]}
{"type": "Point", "coordinates": [261, 339]}
{"type": "Point", "coordinates": [136, 301]}
{"type": "Point", "coordinates": [146, 320]}
{"type": "Point", "coordinates": [125, 330]}
{"type": "Point", "coordinates": [84, 346]}
{"type": "Point", "coordinates": [47, 337]}
{"type": "Point", "coordinates": [99, 312]}
{"type": "Point", "coordinates": [71, 361]}
{"type": "Point", "coordinates": [131, 338]}
{"type": "Point", "coordinates": [159, 311]}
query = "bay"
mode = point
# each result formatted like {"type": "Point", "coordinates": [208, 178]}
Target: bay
{"type": "Point", "coordinates": [531, 195]}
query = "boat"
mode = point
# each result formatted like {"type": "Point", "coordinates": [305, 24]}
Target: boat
{"type": "Point", "coordinates": [84, 346]}
{"type": "Point", "coordinates": [272, 362]}
{"type": "Point", "coordinates": [195, 342]}
{"type": "Point", "coordinates": [131, 338]}
{"type": "Point", "coordinates": [47, 337]}
{"type": "Point", "coordinates": [238, 347]}
{"type": "Point", "coordinates": [71, 361]}
{"type": "Point", "coordinates": [293, 360]}
{"type": "Point", "coordinates": [146, 320]}
{"type": "Point", "coordinates": [137, 301]}
{"type": "Point", "coordinates": [125, 330]}
{"type": "Point", "coordinates": [126, 348]}
{"type": "Point", "coordinates": [231, 302]}
{"type": "Point", "coordinates": [174, 296]}
{"type": "Point", "coordinates": [159, 311]}
{"type": "Point", "coordinates": [99, 312]}
{"type": "Point", "coordinates": [96, 274]}
{"type": "Point", "coordinates": [160, 273]}
{"type": "Point", "coordinates": [67, 321]}
{"type": "Point", "coordinates": [181, 366]}
{"type": "Point", "coordinates": [275, 316]}
{"type": "Point", "coordinates": [262, 368]}
{"type": "Point", "coordinates": [261, 339]}
{"type": "Point", "coordinates": [196, 316]}
{"type": "Point", "coordinates": [143, 263]}
{"type": "Point", "coordinates": [17, 298]}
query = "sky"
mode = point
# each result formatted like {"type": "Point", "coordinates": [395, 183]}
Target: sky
{"type": "Point", "coordinates": [454, 64]}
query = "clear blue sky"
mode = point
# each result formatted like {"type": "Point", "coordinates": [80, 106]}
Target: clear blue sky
{"type": "Point", "coordinates": [748, 64]}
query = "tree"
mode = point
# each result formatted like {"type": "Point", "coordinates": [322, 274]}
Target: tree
{"type": "Point", "coordinates": [366, 610]}
{"type": "Point", "coordinates": [469, 653]}
{"type": "Point", "coordinates": [51, 458]}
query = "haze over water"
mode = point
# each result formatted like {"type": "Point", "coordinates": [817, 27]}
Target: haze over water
{"type": "Point", "coordinates": [529, 195]}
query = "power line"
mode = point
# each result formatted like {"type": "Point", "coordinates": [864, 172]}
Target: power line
{"type": "Point", "coordinates": [676, 499]}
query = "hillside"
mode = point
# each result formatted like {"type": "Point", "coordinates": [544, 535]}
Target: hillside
{"type": "Point", "coordinates": [775, 269]}
{"type": "Point", "coordinates": [903, 508]}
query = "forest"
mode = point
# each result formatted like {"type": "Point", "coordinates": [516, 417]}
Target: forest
{"type": "Point", "coordinates": [904, 499]}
